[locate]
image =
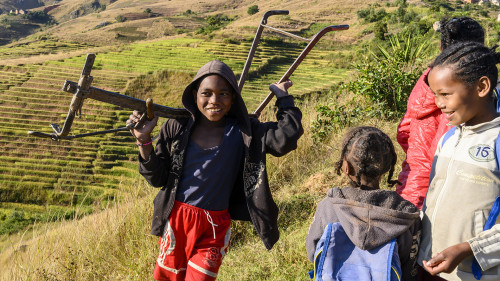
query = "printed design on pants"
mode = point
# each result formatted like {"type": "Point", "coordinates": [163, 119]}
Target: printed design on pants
{"type": "Point", "coordinates": [212, 258]}
{"type": "Point", "coordinates": [167, 239]}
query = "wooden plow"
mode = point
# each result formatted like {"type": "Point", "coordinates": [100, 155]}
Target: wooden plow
{"type": "Point", "coordinates": [82, 89]}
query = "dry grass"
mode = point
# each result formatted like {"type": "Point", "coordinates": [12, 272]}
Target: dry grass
{"type": "Point", "coordinates": [112, 245]}
{"type": "Point", "coordinates": [116, 245]}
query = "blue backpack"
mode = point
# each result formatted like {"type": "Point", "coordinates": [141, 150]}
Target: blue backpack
{"type": "Point", "coordinates": [337, 258]}
{"type": "Point", "coordinates": [495, 210]}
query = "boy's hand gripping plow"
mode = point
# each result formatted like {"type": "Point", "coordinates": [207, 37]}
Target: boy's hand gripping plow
{"type": "Point", "coordinates": [83, 90]}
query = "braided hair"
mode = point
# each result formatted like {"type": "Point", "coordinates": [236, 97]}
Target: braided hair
{"type": "Point", "coordinates": [370, 151]}
{"type": "Point", "coordinates": [460, 30]}
{"type": "Point", "coordinates": [470, 61]}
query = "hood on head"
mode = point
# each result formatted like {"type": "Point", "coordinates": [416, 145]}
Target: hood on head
{"type": "Point", "coordinates": [238, 108]}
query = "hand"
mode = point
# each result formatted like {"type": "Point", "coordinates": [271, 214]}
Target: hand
{"type": "Point", "coordinates": [448, 260]}
{"type": "Point", "coordinates": [143, 132]}
{"type": "Point", "coordinates": [281, 89]}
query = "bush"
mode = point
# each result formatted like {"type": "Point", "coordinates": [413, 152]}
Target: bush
{"type": "Point", "coordinates": [95, 5]}
{"type": "Point", "coordinates": [388, 80]}
{"type": "Point", "coordinates": [214, 23]}
{"type": "Point", "coordinates": [370, 15]}
{"type": "Point", "coordinates": [120, 18]}
{"type": "Point", "coordinates": [483, 13]}
{"type": "Point", "coordinates": [332, 118]}
{"type": "Point", "coordinates": [380, 30]}
{"type": "Point", "coordinates": [40, 17]}
{"type": "Point", "coordinates": [253, 10]}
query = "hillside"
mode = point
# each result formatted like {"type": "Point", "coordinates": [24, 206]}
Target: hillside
{"type": "Point", "coordinates": [64, 175]}
{"type": "Point", "coordinates": [49, 189]}
{"type": "Point", "coordinates": [7, 5]}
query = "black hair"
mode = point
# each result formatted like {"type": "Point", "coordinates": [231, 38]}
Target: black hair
{"type": "Point", "coordinates": [460, 30]}
{"type": "Point", "coordinates": [370, 151]}
{"type": "Point", "coordinates": [470, 61]}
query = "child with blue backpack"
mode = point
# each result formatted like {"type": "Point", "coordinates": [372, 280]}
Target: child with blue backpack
{"type": "Point", "coordinates": [460, 231]}
{"type": "Point", "coordinates": [370, 217]}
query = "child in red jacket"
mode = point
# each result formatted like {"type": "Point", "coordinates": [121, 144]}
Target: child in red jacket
{"type": "Point", "coordinates": [423, 123]}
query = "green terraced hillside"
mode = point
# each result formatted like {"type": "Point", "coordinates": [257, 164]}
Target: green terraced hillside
{"type": "Point", "coordinates": [41, 179]}
{"type": "Point", "coordinates": [38, 47]}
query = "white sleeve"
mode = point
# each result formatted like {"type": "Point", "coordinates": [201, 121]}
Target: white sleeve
{"type": "Point", "coordinates": [486, 247]}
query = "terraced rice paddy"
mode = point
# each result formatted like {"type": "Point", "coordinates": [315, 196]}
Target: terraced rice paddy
{"type": "Point", "coordinates": [41, 177]}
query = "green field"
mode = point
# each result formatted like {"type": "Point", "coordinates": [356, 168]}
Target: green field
{"type": "Point", "coordinates": [89, 171]}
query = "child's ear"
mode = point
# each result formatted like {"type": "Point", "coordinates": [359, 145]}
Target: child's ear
{"type": "Point", "coordinates": [347, 168]}
{"type": "Point", "coordinates": [483, 86]}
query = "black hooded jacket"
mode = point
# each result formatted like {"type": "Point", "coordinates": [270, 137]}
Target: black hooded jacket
{"type": "Point", "coordinates": [251, 197]}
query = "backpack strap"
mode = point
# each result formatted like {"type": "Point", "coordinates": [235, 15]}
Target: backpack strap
{"type": "Point", "coordinates": [497, 151]}
{"type": "Point", "coordinates": [448, 134]}
{"type": "Point", "coordinates": [319, 266]}
{"type": "Point", "coordinates": [492, 217]}
{"type": "Point", "coordinates": [490, 222]}
{"type": "Point", "coordinates": [496, 94]}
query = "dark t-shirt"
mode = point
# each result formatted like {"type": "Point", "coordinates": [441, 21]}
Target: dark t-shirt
{"type": "Point", "coordinates": [209, 174]}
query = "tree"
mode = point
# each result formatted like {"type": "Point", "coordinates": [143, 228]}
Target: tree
{"type": "Point", "coordinates": [253, 10]}
{"type": "Point", "coordinates": [39, 17]}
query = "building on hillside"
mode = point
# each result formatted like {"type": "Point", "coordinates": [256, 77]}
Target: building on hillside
{"type": "Point", "coordinates": [495, 2]}
{"type": "Point", "coordinates": [471, 1]}
{"type": "Point", "coordinates": [22, 12]}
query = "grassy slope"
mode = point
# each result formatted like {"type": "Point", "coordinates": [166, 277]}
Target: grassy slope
{"type": "Point", "coordinates": [118, 238]}
{"type": "Point", "coordinates": [41, 257]}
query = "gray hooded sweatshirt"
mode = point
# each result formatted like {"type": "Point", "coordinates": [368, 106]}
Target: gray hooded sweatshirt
{"type": "Point", "coordinates": [370, 218]}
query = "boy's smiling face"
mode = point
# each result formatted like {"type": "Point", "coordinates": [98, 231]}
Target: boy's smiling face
{"type": "Point", "coordinates": [214, 98]}
{"type": "Point", "coordinates": [458, 102]}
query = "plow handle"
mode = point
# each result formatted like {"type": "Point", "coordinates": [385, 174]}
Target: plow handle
{"type": "Point", "coordinates": [273, 13]}
{"type": "Point", "coordinates": [298, 60]}
{"type": "Point", "coordinates": [79, 96]}
{"type": "Point", "coordinates": [255, 42]}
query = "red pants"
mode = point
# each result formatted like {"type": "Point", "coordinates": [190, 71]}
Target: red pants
{"type": "Point", "coordinates": [193, 245]}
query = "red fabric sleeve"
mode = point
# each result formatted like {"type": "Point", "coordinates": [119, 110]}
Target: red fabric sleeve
{"type": "Point", "coordinates": [418, 134]}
